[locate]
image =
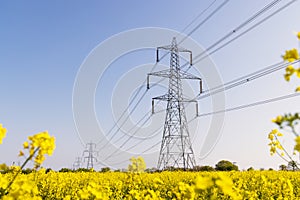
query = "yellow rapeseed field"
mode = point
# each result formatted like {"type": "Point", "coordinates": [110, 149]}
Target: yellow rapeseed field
{"type": "Point", "coordinates": [164, 185]}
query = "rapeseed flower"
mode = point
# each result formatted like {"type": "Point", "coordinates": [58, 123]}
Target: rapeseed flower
{"type": "Point", "coordinates": [38, 146]}
{"type": "Point", "coordinates": [297, 146]}
{"type": "Point", "coordinates": [291, 55]}
{"type": "Point", "coordinates": [278, 120]}
{"type": "Point", "coordinates": [2, 133]}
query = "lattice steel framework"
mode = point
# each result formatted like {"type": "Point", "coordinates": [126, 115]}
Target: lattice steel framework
{"type": "Point", "coordinates": [176, 148]}
{"type": "Point", "coordinates": [89, 154]}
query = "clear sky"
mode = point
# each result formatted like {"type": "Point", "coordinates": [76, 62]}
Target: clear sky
{"type": "Point", "coordinates": [44, 43]}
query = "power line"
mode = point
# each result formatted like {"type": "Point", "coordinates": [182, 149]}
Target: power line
{"type": "Point", "coordinates": [246, 79]}
{"type": "Point", "coordinates": [131, 136]}
{"type": "Point", "coordinates": [145, 151]}
{"type": "Point", "coordinates": [206, 19]}
{"type": "Point", "coordinates": [198, 16]}
{"type": "Point", "coordinates": [252, 104]}
{"type": "Point", "coordinates": [253, 17]}
{"type": "Point", "coordinates": [148, 115]}
{"type": "Point", "coordinates": [244, 32]}
{"type": "Point", "coordinates": [148, 149]}
{"type": "Point", "coordinates": [119, 127]}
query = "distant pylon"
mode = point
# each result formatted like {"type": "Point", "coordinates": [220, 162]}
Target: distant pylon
{"type": "Point", "coordinates": [176, 148]}
{"type": "Point", "coordinates": [77, 163]}
{"type": "Point", "coordinates": [88, 155]}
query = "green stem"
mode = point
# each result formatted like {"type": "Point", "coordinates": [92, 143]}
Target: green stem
{"type": "Point", "coordinates": [14, 178]}
{"type": "Point", "coordinates": [286, 153]}
{"type": "Point", "coordinates": [294, 131]}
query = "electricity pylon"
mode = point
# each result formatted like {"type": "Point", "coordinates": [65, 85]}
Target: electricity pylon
{"type": "Point", "coordinates": [176, 148]}
{"type": "Point", "coordinates": [77, 163]}
{"type": "Point", "coordinates": [88, 155]}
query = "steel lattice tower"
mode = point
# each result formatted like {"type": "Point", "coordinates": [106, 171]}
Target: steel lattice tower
{"type": "Point", "coordinates": [176, 148]}
{"type": "Point", "coordinates": [77, 163]}
{"type": "Point", "coordinates": [89, 155]}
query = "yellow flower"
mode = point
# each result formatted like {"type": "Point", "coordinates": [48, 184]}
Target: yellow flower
{"type": "Point", "coordinates": [41, 143]}
{"type": "Point", "coordinates": [287, 77]}
{"type": "Point", "coordinates": [297, 146]}
{"type": "Point", "coordinates": [298, 35]}
{"type": "Point", "coordinates": [279, 134]}
{"type": "Point", "coordinates": [21, 153]}
{"type": "Point", "coordinates": [226, 185]}
{"type": "Point", "coordinates": [271, 136]}
{"type": "Point", "coordinates": [3, 166]}
{"type": "Point", "coordinates": [277, 120]}
{"type": "Point", "coordinates": [25, 145]}
{"type": "Point", "coordinates": [2, 133]}
{"type": "Point", "coordinates": [203, 182]}
{"type": "Point", "coordinates": [298, 89]}
{"type": "Point", "coordinates": [298, 72]}
{"type": "Point", "coordinates": [272, 150]}
{"type": "Point", "coordinates": [291, 55]}
{"type": "Point", "coordinates": [289, 71]}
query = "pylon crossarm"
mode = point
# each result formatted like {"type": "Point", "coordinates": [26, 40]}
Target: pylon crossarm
{"type": "Point", "coordinates": [164, 97]}
{"type": "Point", "coordinates": [160, 98]}
{"type": "Point", "coordinates": [163, 73]}
{"type": "Point", "coordinates": [186, 75]}
{"type": "Point", "coordinates": [171, 48]}
{"type": "Point", "coordinates": [196, 104]}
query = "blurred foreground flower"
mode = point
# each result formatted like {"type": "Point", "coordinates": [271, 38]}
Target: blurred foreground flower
{"type": "Point", "coordinates": [275, 144]}
{"type": "Point", "coordinates": [291, 55]}
{"type": "Point", "coordinates": [2, 133]}
{"type": "Point", "coordinates": [39, 145]}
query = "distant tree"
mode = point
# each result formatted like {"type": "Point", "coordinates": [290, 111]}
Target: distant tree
{"type": "Point", "coordinates": [82, 170]}
{"type": "Point", "coordinates": [4, 169]}
{"type": "Point", "coordinates": [151, 170]}
{"type": "Point", "coordinates": [65, 170]}
{"type": "Point", "coordinates": [105, 169]}
{"type": "Point", "coordinates": [203, 168]}
{"type": "Point", "coordinates": [170, 168]}
{"type": "Point", "coordinates": [27, 171]}
{"type": "Point", "coordinates": [292, 166]}
{"type": "Point", "coordinates": [225, 165]}
{"type": "Point", "coordinates": [283, 167]}
{"type": "Point", "coordinates": [250, 169]}
{"type": "Point", "coordinates": [48, 170]}
{"type": "Point", "coordinates": [271, 169]}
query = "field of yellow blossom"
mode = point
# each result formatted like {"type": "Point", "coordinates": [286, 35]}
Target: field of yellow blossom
{"type": "Point", "coordinates": [163, 185]}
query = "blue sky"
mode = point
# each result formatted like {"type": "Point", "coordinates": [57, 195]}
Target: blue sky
{"type": "Point", "coordinates": [43, 45]}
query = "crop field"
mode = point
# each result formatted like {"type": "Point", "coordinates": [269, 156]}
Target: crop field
{"type": "Point", "coordinates": [164, 185]}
